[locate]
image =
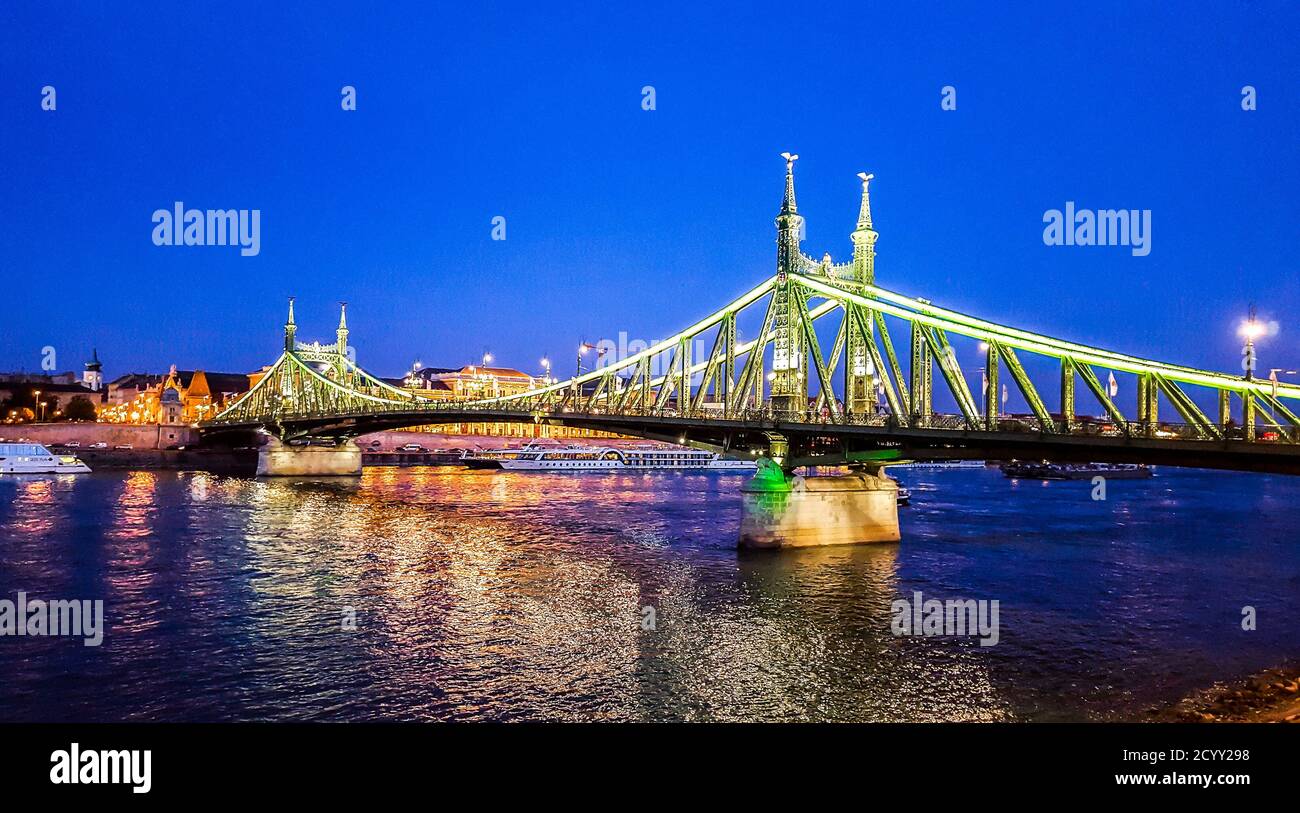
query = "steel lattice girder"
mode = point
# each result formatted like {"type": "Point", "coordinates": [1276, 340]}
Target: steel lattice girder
{"type": "Point", "coordinates": [294, 386]}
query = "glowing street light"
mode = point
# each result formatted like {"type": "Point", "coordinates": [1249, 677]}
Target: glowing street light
{"type": "Point", "coordinates": [1251, 329]}
{"type": "Point", "coordinates": [583, 347]}
{"type": "Point", "coordinates": [487, 359]}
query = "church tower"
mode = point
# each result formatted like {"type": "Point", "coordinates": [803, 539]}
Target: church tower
{"type": "Point", "coordinates": [93, 377]}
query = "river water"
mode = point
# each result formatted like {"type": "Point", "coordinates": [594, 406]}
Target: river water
{"type": "Point", "coordinates": [444, 594]}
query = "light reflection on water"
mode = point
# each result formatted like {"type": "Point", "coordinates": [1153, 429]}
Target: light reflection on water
{"type": "Point", "coordinates": [482, 595]}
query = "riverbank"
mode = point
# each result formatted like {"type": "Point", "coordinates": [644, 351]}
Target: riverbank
{"type": "Point", "coordinates": [236, 462]}
{"type": "Point", "coordinates": [181, 448]}
{"type": "Point", "coordinates": [1271, 696]}
{"type": "Point", "coordinates": [110, 434]}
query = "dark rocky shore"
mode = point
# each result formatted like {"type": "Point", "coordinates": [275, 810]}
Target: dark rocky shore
{"type": "Point", "coordinates": [1271, 696]}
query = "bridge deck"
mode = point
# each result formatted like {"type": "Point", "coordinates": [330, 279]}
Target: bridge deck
{"type": "Point", "coordinates": [829, 443]}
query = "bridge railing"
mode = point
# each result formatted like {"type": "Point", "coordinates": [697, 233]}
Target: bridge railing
{"type": "Point", "coordinates": [1020, 424]}
{"type": "Point", "coordinates": [1016, 424]}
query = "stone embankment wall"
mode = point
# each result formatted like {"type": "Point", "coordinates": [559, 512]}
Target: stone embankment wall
{"type": "Point", "coordinates": [114, 434]}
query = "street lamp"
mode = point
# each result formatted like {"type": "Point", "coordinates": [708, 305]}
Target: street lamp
{"type": "Point", "coordinates": [1272, 376]}
{"type": "Point", "coordinates": [487, 359]}
{"type": "Point", "coordinates": [36, 396]}
{"type": "Point", "coordinates": [582, 351]}
{"type": "Point", "coordinates": [1251, 329]}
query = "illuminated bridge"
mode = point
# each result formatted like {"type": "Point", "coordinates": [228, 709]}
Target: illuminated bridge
{"type": "Point", "coordinates": [790, 396]}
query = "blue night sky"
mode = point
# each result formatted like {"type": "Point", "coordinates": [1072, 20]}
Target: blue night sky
{"type": "Point", "coordinates": [621, 219]}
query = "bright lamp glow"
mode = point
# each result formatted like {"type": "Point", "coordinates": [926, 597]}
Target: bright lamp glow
{"type": "Point", "coordinates": [1252, 329]}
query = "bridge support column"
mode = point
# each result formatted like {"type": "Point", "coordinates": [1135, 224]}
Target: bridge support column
{"type": "Point", "coordinates": [1148, 393]}
{"type": "Point", "coordinates": [787, 511]}
{"type": "Point", "coordinates": [922, 377]}
{"type": "Point", "coordinates": [278, 459]}
{"type": "Point", "coordinates": [992, 407]}
{"type": "Point", "coordinates": [1067, 394]}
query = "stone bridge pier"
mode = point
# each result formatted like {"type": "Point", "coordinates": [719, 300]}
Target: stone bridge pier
{"type": "Point", "coordinates": [785, 510]}
{"type": "Point", "coordinates": [278, 459]}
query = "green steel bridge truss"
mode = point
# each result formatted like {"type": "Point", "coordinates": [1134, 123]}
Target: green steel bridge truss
{"type": "Point", "coordinates": [729, 382]}
{"type": "Point", "coordinates": [860, 381]}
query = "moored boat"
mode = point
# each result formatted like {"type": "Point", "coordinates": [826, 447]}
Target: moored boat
{"type": "Point", "coordinates": [1027, 470]}
{"type": "Point", "coordinates": [33, 458]}
{"type": "Point", "coordinates": [939, 464]}
{"type": "Point", "coordinates": [604, 458]}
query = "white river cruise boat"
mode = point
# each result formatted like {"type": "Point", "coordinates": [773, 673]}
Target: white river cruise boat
{"type": "Point", "coordinates": [603, 458]}
{"type": "Point", "coordinates": [33, 458]}
{"type": "Point", "coordinates": [939, 464]}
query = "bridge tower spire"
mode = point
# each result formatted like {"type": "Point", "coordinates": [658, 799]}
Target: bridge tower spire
{"type": "Point", "coordinates": [789, 383]}
{"type": "Point", "coordinates": [290, 329]}
{"type": "Point", "coordinates": [789, 225]}
{"type": "Point", "coordinates": [342, 332]}
{"type": "Point", "coordinates": [859, 383]}
{"type": "Point", "coordinates": [864, 237]}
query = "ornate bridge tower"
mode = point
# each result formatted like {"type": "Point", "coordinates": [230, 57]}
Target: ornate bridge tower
{"type": "Point", "coordinates": [859, 395]}
{"type": "Point", "coordinates": [789, 381]}
{"type": "Point", "coordinates": [290, 330]}
{"type": "Point", "coordinates": [341, 335]}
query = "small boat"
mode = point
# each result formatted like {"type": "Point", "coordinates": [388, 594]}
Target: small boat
{"type": "Point", "coordinates": [1026, 470]}
{"type": "Point", "coordinates": [33, 458]}
{"type": "Point", "coordinates": [904, 496]}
